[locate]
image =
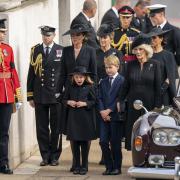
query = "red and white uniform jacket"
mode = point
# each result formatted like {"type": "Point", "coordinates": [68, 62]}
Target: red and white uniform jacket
{"type": "Point", "coordinates": [9, 82]}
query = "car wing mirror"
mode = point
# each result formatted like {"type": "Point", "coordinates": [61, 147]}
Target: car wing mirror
{"type": "Point", "coordinates": [138, 104]}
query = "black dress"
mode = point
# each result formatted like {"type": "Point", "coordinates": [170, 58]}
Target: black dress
{"type": "Point", "coordinates": [81, 121]}
{"type": "Point", "coordinates": [168, 70]}
{"type": "Point", "coordinates": [143, 85]}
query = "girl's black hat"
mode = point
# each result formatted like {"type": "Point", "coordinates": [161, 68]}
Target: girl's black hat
{"type": "Point", "coordinates": [80, 70]}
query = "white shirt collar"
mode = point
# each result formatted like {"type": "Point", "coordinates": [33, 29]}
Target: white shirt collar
{"type": "Point", "coordinates": [163, 24]}
{"type": "Point", "coordinates": [115, 75]}
{"type": "Point", "coordinates": [115, 11]}
{"type": "Point", "coordinates": [50, 46]}
{"type": "Point", "coordinates": [86, 16]}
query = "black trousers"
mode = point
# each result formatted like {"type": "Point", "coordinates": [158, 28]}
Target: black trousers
{"type": "Point", "coordinates": [47, 124]}
{"type": "Point", "coordinates": [80, 152]}
{"type": "Point", "coordinates": [110, 141]}
{"type": "Point", "coordinates": [5, 117]}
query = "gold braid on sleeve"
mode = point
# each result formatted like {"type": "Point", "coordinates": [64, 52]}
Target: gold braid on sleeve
{"type": "Point", "coordinates": [37, 64]}
{"type": "Point", "coordinates": [120, 43]}
{"type": "Point", "coordinates": [2, 59]}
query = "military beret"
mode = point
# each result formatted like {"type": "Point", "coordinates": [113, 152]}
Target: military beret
{"type": "Point", "coordinates": [126, 11]}
{"type": "Point", "coordinates": [105, 29]}
{"type": "Point", "coordinates": [77, 28]}
{"type": "Point", "coordinates": [47, 30]}
{"type": "Point", "coordinates": [156, 8]}
{"type": "Point", "coordinates": [2, 25]}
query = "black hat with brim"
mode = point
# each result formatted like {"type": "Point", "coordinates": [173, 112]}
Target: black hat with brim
{"type": "Point", "coordinates": [105, 29]}
{"type": "Point", "coordinates": [80, 70]}
{"type": "Point", "coordinates": [77, 28]}
{"type": "Point", "coordinates": [141, 39]}
{"type": "Point", "coordinates": [157, 32]}
{"type": "Point", "coordinates": [47, 30]}
{"type": "Point", "coordinates": [2, 25]}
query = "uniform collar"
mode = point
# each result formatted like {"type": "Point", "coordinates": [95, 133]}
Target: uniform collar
{"type": "Point", "coordinates": [50, 46]}
{"type": "Point", "coordinates": [163, 24]}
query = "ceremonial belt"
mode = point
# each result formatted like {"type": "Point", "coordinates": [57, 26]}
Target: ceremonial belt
{"type": "Point", "coordinates": [5, 75]}
{"type": "Point", "coordinates": [128, 58]}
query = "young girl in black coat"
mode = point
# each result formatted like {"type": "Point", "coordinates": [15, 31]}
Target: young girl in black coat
{"type": "Point", "coordinates": [80, 129]}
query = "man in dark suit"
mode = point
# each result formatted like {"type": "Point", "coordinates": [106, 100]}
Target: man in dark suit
{"type": "Point", "coordinates": [43, 93]}
{"type": "Point", "coordinates": [110, 125]}
{"type": "Point", "coordinates": [88, 12]}
{"type": "Point", "coordinates": [112, 16]}
{"type": "Point", "coordinates": [157, 15]}
{"type": "Point", "coordinates": [141, 21]}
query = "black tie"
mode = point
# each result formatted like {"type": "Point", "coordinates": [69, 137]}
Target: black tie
{"type": "Point", "coordinates": [47, 51]}
{"type": "Point", "coordinates": [110, 81]}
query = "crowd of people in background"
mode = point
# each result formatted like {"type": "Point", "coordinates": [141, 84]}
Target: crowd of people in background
{"type": "Point", "coordinates": [86, 91]}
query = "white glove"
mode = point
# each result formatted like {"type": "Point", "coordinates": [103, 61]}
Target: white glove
{"type": "Point", "coordinates": [18, 105]}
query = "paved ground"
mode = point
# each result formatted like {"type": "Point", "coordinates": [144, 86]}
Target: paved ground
{"type": "Point", "coordinates": [30, 169]}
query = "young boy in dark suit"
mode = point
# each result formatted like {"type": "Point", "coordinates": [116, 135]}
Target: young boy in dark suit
{"type": "Point", "coordinates": [110, 124]}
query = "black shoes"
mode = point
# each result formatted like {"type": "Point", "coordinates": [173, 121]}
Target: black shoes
{"type": "Point", "coordinates": [115, 172]}
{"type": "Point", "coordinates": [5, 169]}
{"type": "Point", "coordinates": [44, 162]}
{"type": "Point", "coordinates": [54, 162]}
{"type": "Point", "coordinates": [106, 172]}
{"type": "Point", "coordinates": [81, 171]}
{"type": "Point", "coordinates": [111, 172]}
{"type": "Point", "coordinates": [76, 171]}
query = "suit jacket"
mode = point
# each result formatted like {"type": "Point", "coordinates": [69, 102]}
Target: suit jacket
{"type": "Point", "coordinates": [111, 18]}
{"type": "Point", "coordinates": [108, 96]}
{"type": "Point", "coordinates": [173, 41]}
{"type": "Point", "coordinates": [86, 58]}
{"type": "Point", "coordinates": [92, 39]}
{"type": "Point", "coordinates": [44, 75]}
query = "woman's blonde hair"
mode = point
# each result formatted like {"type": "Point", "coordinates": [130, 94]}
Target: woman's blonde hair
{"type": "Point", "coordinates": [147, 48]}
{"type": "Point", "coordinates": [112, 60]}
{"type": "Point", "coordinates": [88, 79]}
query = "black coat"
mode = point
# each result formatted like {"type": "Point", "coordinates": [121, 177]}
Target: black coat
{"type": "Point", "coordinates": [100, 55]}
{"type": "Point", "coordinates": [92, 39]}
{"type": "Point", "coordinates": [110, 18]}
{"type": "Point", "coordinates": [173, 41]}
{"type": "Point", "coordinates": [81, 122]}
{"type": "Point", "coordinates": [43, 84]}
{"type": "Point", "coordinates": [86, 58]}
{"type": "Point", "coordinates": [168, 70]}
{"type": "Point", "coordinates": [143, 85]}
{"type": "Point", "coordinates": [143, 24]}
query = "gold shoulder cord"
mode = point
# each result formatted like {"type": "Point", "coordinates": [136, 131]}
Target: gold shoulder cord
{"type": "Point", "coordinates": [122, 40]}
{"type": "Point", "coordinates": [2, 59]}
{"type": "Point", "coordinates": [37, 64]}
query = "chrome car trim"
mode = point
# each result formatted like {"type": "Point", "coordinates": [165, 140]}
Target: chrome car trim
{"type": "Point", "coordinates": [154, 173]}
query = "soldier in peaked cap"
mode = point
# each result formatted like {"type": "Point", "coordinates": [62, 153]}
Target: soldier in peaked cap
{"type": "Point", "coordinates": [10, 93]}
{"type": "Point", "coordinates": [157, 15]}
{"type": "Point", "coordinates": [125, 34]}
{"type": "Point", "coordinates": [43, 94]}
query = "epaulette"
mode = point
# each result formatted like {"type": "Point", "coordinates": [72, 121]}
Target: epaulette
{"type": "Point", "coordinates": [35, 46]}
{"type": "Point", "coordinates": [136, 30]}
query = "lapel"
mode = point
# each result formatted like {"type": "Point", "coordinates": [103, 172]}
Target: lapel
{"type": "Point", "coordinates": [50, 57]}
{"type": "Point", "coordinates": [79, 55]}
